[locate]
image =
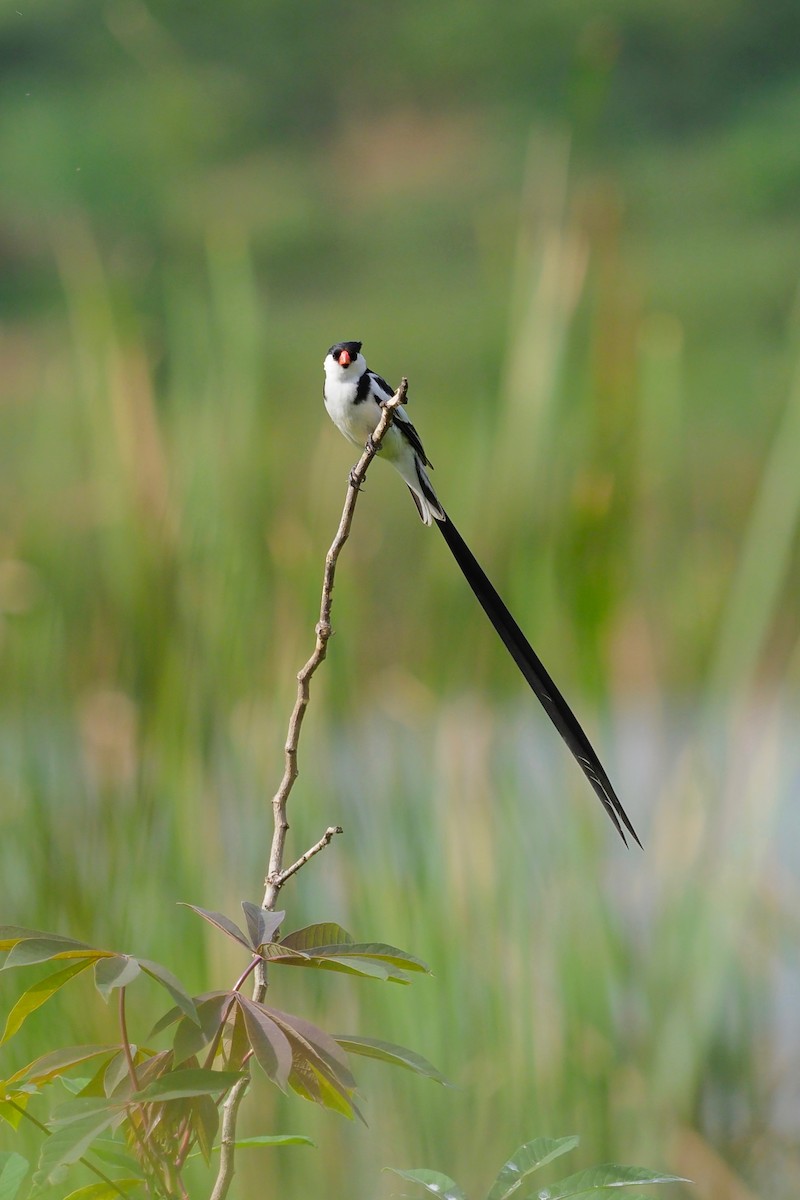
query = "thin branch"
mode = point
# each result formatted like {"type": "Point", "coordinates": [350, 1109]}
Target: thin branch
{"type": "Point", "coordinates": [126, 1046]}
{"type": "Point", "coordinates": [276, 875]}
{"type": "Point", "coordinates": [327, 837]}
{"type": "Point", "coordinates": [227, 1149]}
{"type": "Point", "coordinates": [323, 631]}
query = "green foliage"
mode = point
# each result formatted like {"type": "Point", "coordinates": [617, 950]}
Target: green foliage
{"type": "Point", "coordinates": [593, 1182]}
{"type": "Point", "coordinates": [161, 1104]}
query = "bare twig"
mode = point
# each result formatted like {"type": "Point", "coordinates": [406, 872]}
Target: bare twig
{"type": "Point", "coordinates": [276, 875]}
{"type": "Point", "coordinates": [274, 882]}
{"type": "Point", "coordinates": [327, 837]}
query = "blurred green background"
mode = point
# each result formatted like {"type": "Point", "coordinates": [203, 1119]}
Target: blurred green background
{"type": "Point", "coordinates": [575, 229]}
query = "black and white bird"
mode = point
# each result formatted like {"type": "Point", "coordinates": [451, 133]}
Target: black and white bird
{"type": "Point", "coordinates": [353, 397]}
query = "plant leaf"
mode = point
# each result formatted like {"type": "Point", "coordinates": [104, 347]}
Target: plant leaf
{"type": "Point", "coordinates": [173, 1014]}
{"type": "Point", "coordinates": [173, 986]}
{"type": "Point", "coordinates": [387, 1052]}
{"type": "Point", "coordinates": [11, 935]}
{"type": "Point", "coordinates": [205, 1123]}
{"type": "Point", "coordinates": [116, 972]}
{"type": "Point", "coordinates": [274, 1139]}
{"type": "Point", "coordinates": [320, 1071]}
{"type": "Point", "coordinates": [43, 949]}
{"type": "Point", "coordinates": [432, 1181]}
{"type": "Point", "coordinates": [68, 1143]}
{"type": "Point", "coordinates": [80, 1108]}
{"type": "Point", "coordinates": [222, 922]}
{"type": "Point", "coordinates": [312, 1080]}
{"type": "Point", "coordinates": [106, 1191]}
{"type": "Point", "coordinates": [373, 959]}
{"type": "Point", "coordinates": [269, 1043]}
{"type": "Point", "coordinates": [609, 1175]}
{"type": "Point", "coordinates": [323, 1045]}
{"type": "Point", "coordinates": [374, 952]}
{"type": "Point", "coordinates": [37, 995]}
{"type": "Point", "coordinates": [115, 1153]}
{"type": "Point", "coordinates": [14, 1113]}
{"type": "Point", "coordinates": [51, 1065]}
{"type": "Point", "coordinates": [192, 1081]}
{"type": "Point", "coordinates": [379, 952]}
{"type": "Point", "coordinates": [277, 952]}
{"type": "Point", "coordinates": [261, 923]}
{"type": "Point", "coordinates": [311, 936]}
{"type": "Point", "coordinates": [189, 1039]}
{"type": "Point", "coordinates": [13, 1169]}
{"type": "Point", "coordinates": [525, 1160]}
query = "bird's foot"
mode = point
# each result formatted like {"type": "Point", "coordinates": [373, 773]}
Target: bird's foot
{"type": "Point", "coordinates": [355, 481]}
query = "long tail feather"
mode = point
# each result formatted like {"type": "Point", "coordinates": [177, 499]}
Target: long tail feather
{"type": "Point", "coordinates": [539, 680]}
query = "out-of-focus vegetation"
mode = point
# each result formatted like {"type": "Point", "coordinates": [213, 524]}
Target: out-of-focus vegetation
{"type": "Point", "coordinates": [577, 234]}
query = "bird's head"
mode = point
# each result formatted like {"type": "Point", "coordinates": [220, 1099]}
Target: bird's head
{"type": "Point", "coordinates": [344, 361]}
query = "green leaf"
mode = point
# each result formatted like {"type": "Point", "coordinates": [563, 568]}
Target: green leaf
{"type": "Point", "coordinates": [374, 952]}
{"type": "Point", "coordinates": [432, 1181]}
{"type": "Point", "coordinates": [14, 1113]}
{"type": "Point", "coordinates": [323, 1045]}
{"type": "Point", "coordinates": [51, 1065]}
{"type": "Point", "coordinates": [222, 922]}
{"type": "Point", "coordinates": [37, 995]}
{"type": "Point", "coordinates": [274, 1139]}
{"type": "Point", "coordinates": [320, 1071]}
{"type": "Point", "coordinates": [267, 1139]}
{"type": "Point", "coordinates": [193, 1081]}
{"type": "Point", "coordinates": [173, 986]}
{"type": "Point", "coordinates": [115, 1154]}
{"type": "Point", "coordinates": [116, 972]}
{"type": "Point", "coordinates": [375, 960]}
{"type": "Point", "coordinates": [311, 936]}
{"type": "Point", "coordinates": [609, 1175]}
{"type": "Point", "coordinates": [527, 1159]}
{"type": "Point", "coordinates": [310, 1079]}
{"type": "Point", "coordinates": [106, 1191]}
{"type": "Point", "coordinates": [397, 1056]}
{"type": "Point", "coordinates": [261, 923]}
{"type": "Point", "coordinates": [13, 1169]}
{"type": "Point", "coordinates": [278, 952]}
{"type": "Point", "coordinates": [204, 1121]}
{"type": "Point", "coordinates": [36, 950]}
{"type": "Point", "coordinates": [189, 1039]}
{"type": "Point", "coordinates": [69, 1143]}
{"type": "Point", "coordinates": [11, 935]}
{"type": "Point", "coordinates": [270, 1046]}
{"type": "Point", "coordinates": [79, 1108]}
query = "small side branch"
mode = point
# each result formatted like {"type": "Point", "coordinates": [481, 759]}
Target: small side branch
{"type": "Point", "coordinates": [325, 840]}
{"type": "Point", "coordinates": [323, 631]}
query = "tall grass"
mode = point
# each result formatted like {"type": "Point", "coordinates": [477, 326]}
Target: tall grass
{"type": "Point", "coordinates": [169, 487]}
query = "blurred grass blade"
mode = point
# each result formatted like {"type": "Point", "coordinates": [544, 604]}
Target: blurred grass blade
{"type": "Point", "coordinates": [764, 559]}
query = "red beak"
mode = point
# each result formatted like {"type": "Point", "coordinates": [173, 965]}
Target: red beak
{"type": "Point", "coordinates": [344, 358]}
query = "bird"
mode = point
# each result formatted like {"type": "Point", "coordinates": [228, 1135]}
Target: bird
{"type": "Point", "coordinates": [354, 397]}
